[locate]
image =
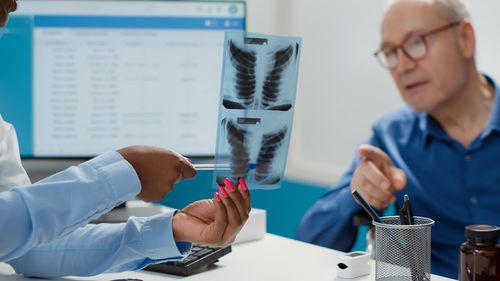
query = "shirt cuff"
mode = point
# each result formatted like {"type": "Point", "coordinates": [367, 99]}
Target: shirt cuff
{"type": "Point", "coordinates": [158, 239]}
{"type": "Point", "coordinates": [346, 202]}
{"type": "Point", "coordinates": [123, 181]}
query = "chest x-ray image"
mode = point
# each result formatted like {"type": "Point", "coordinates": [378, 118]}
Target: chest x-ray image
{"type": "Point", "coordinates": [259, 84]}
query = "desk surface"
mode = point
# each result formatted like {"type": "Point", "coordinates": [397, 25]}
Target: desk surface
{"type": "Point", "coordinates": [271, 258]}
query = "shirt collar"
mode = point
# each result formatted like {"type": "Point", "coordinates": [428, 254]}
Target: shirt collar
{"type": "Point", "coordinates": [431, 128]}
{"type": "Point", "coordinates": [494, 121]}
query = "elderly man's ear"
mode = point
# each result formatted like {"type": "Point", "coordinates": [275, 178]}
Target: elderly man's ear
{"type": "Point", "coordinates": [467, 39]}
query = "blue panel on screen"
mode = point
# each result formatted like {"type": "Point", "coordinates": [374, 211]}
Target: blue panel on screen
{"type": "Point", "coordinates": [139, 22]}
{"type": "Point", "coordinates": [16, 79]}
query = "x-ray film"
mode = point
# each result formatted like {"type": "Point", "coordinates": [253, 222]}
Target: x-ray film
{"type": "Point", "coordinates": [259, 82]}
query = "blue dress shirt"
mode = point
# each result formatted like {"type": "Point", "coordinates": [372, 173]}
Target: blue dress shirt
{"type": "Point", "coordinates": [453, 185]}
{"type": "Point", "coordinates": [45, 232]}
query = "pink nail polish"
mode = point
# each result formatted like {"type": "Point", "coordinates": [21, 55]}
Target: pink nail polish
{"type": "Point", "coordinates": [216, 196]}
{"type": "Point", "coordinates": [189, 160]}
{"type": "Point", "coordinates": [222, 191]}
{"type": "Point", "coordinates": [229, 184]}
{"type": "Point", "coordinates": [243, 184]}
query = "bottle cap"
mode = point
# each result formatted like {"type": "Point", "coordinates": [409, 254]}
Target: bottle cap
{"type": "Point", "coordinates": [482, 231]}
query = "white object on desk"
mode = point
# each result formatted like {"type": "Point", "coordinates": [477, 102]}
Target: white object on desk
{"type": "Point", "coordinates": [254, 228]}
{"type": "Point", "coordinates": [270, 258]}
{"type": "Point", "coordinates": [136, 208]}
{"type": "Point", "coordinates": [352, 265]}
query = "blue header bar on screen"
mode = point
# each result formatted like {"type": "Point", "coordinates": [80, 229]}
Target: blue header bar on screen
{"type": "Point", "coordinates": [140, 22]}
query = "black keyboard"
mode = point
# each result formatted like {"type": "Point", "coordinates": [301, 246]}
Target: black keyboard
{"type": "Point", "coordinates": [199, 257]}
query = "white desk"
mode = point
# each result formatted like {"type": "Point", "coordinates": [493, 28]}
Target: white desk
{"type": "Point", "coordinates": [271, 258]}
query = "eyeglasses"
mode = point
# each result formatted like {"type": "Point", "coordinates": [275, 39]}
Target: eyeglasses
{"type": "Point", "coordinates": [414, 48]}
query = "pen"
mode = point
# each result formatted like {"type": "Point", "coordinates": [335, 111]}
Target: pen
{"type": "Point", "coordinates": [406, 213]}
{"type": "Point", "coordinates": [409, 211]}
{"type": "Point", "coordinates": [403, 215]}
{"type": "Point", "coordinates": [406, 217]}
{"type": "Point", "coordinates": [361, 201]}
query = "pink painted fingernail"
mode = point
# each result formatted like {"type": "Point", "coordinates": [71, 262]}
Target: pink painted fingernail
{"type": "Point", "coordinates": [229, 184]}
{"type": "Point", "coordinates": [222, 191]}
{"type": "Point", "coordinates": [189, 160]}
{"type": "Point", "coordinates": [216, 196]}
{"type": "Point", "coordinates": [243, 184]}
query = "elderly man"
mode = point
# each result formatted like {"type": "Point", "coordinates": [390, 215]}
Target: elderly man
{"type": "Point", "coordinates": [442, 149]}
{"type": "Point", "coordinates": [44, 229]}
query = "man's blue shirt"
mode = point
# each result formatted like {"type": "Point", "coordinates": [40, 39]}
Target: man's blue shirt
{"type": "Point", "coordinates": [453, 185]}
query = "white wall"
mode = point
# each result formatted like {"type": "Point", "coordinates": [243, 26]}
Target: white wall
{"type": "Point", "coordinates": [342, 90]}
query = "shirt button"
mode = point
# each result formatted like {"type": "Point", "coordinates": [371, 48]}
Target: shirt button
{"type": "Point", "coordinates": [467, 157]}
{"type": "Point", "coordinates": [473, 200]}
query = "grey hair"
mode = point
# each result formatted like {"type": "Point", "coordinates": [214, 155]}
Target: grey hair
{"type": "Point", "coordinates": [451, 10]}
{"type": "Point", "coordinates": [454, 10]}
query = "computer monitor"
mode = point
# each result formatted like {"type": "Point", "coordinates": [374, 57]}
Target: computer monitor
{"type": "Point", "coordinates": [80, 77]}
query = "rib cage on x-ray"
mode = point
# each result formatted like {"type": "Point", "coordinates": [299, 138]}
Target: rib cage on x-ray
{"type": "Point", "coordinates": [271, 87]}
{"type": "Point", "coordinates": [239, 150]}
{"type": "Point", "coordinates": [270, 143]}
{"type": "Point", "coordinates": [244, 63]}
{"type": "Point", "coordinates": [257, 96]}
{"type": "Point", "coordinates": [239, 140]}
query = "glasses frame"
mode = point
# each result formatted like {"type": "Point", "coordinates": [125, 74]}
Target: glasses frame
{"type": "Point", "coordinates": [422, 37]}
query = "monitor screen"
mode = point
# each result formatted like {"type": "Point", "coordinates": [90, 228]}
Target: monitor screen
{"type": "Point", "coordinates": [79, 78]}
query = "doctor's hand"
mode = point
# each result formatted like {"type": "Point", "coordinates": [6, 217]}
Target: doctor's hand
{"type": "Point", "coordinates": [376, 178]}
{"type": "Point", "coordinates": [158, 169]}
{"type": "Point", "coordinates": [214, 221]}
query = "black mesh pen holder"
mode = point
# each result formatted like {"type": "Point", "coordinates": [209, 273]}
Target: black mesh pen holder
{"type": "Point", "coordinates": [403, 252]}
